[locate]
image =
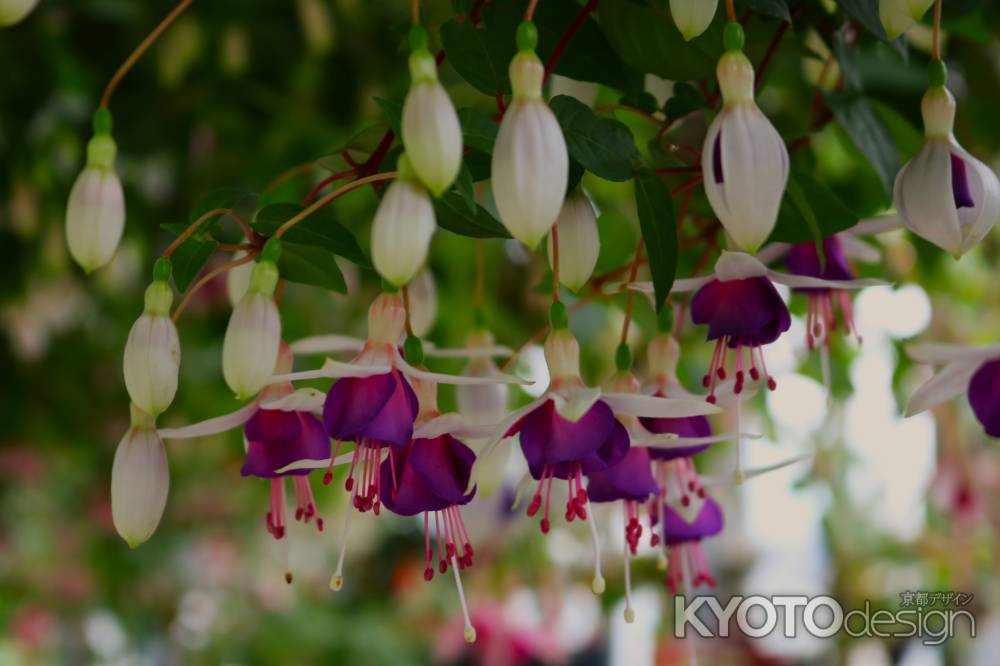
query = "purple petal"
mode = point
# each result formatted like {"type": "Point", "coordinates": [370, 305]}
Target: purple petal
{"type": "Point", "coordinates": [717, 158]}
{"type": "Point", "coordinates": [549, 439]}
{"type": "Point", "coordinates": [611, 452]}
{"type": "Point", "coordinates": [750, 311]}
{"type": "Point", "coordinates": [629, 479]}
{"type": "Point", "coordinates": [708, 522]}
{"type": "Point", "coordinates": [803, 259]}
{"type": "Point", "coordinates": [381, 407]}
{"type": "Point", "coordinates": [445, 465]}
{"type": "Point", "coordinates": [264, 456]}
{"type": "Point", "coordinates": [686, 426]}
{"type": "Point", "coordinates": [411, 494]}
{"type": "Point", "coordinates": [984, 396]}
{"type": "Point", "coordinates": [960, 183]}
{"type": "Point", "coordinates": [272, 426]}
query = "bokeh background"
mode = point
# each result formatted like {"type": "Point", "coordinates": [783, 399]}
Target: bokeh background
{"type": "Point", "coordinates": [237, 93]}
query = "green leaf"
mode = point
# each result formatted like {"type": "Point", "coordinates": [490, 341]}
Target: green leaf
{"type": "Point", "coordinates": [318, 230]}
{"type": "Point", "coordinates": [478, 129]}
{"type": "Point", "coordinates": [659, 231]}
{"type": "Point", "coordinates": [645, 36]}
{"type": "Point", "coordinates": [308, 264]}
{"type": "Point", "coordinates": [453, 214]}
{"type": "Point", "coordinates": [684, 100]}
{"type": "Point", "coordinates": [866, 13]}
{"type": "Point", "coordinates": [618, 239]}
{"type": "Point", "coordinates": [393, 112]}
{"type": "Point", "coordinates": [867, 131]}
{"type": "Point", "coordinates": [478, 55]}
{"type": "Point", "coordinates": [775, 8]}
{"type": "Point", "coordinates": [810, 211]}
{"type": "Point", "coordinates": [240, 200]}
{"type": "Point", "coordinates": [465, 187]}
{"type": "Point", "coordinates": [189, 258]}
{"type": "Point", "coordinates": [603, 146]}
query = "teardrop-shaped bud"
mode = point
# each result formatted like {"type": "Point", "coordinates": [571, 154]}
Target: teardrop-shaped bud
{"type": "Point", "coordinates": [402, 230]}
{"type": "Point", "coordinates": [95, 213]}
{"type": "Point", "coordinates": [482, 404]}
{"type": "Point", "coordinates": [562, 354]}
{"type": "Point", "coordinates": [744, 159]}
{"type": "Point", "coordinates": [579, 242]}
{"type": "Point", "coordinates": [140, 480]}
{"type": "Point", "coordinates": [530, 165]}
{"type": "Point", "coordinates": [250, 348]}
{"type": "Point", "coordinates": [386, 320]}
{"type": "Point", "coordinates": [898, 16]}
{"type": "Point", "coordinates": [944, 194]}
{"type": "Point", "coordinates": [238, 279]}
{"type": "Point", "coordinates": [422, 293]}
{"type": "Point", "coordinates": [431, 132]}
{"type": "Point", "coordinates": [692, 17]}
{"type": "Point", "coordinates": [153, 353]}
{"type": "Point", "coordinates": [14, 11]}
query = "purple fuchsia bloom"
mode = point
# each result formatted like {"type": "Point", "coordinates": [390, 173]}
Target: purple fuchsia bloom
{"type": "Point", "coordinates": [684, 527]}
{"type": "Point", "coordinates": [972, 370]}
{"type": "Point", "coordinates": [821, 319]}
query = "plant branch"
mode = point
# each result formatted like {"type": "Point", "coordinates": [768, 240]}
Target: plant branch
{"type": "Point", "coordinates": [283, 229]}
{"type": "Point", "coordinates": [567, 37]}
{"type": "Point", "coordinates": [205, 279]}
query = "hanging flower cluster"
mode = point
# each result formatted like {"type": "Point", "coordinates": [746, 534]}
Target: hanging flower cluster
{"type": "Point", "coordinates": [634, 444]}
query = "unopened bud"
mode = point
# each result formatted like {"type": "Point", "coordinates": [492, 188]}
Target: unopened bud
{"type": "Point", "coordinates": [579, 242]}
{"type": "Point", "coordinates": [140, 479]}
{"type": "Point", "coordinates": [422, 295]}
{"type": "Point", "coordinates": [401, 231]}
{"type": "Point", "coordinates": [95, 213]}
{"type": "Point", "coordinates": [153, 353]}
{"type": "Point", "coordinates": [386, 319]}
{"type": "Point", "coordinates": [692, 17]}
{"type": "Point", "coordinates": [250, 348]}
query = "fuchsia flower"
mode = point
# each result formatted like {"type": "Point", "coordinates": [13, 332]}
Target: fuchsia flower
{"type": "Point", "coordinates": [821, 319]}
{"type": "Point", "coordinates": [684, 526]}
{"type": "Point", "coordinates": [972, 370]}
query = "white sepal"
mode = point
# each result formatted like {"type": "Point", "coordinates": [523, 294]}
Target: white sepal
{"type": "Point", "coordinates": [667, 442]}
{"type": "Point", "coordinates": [940, 352]}
{"type": "Point", "coordinates": [456, 380]}
{"type": "Point", "coordinates": [530, 170]}
{"type": "Point", "coordinates": [250, 348]}
{"type": "Point", "coordinates": [95, 217]}
{"type": "Point", "coordinates": [753, 472]}
{"type": "Point", "coordinates": [140, 479]}
{"type": "Point", "coordinates": [654, 407]}
{"type": "Point", "coordinates": [809, 282]}
{"type": "Point", "coordinates": [333, 370]}
{"type": "Point", "coordinates": [215, 425]}
{"type": "Point", "coordinates": [307, 463]}
{"type": "Point", "coordinates": [949, 382]}
{"type": "Point", "coordinates": [302, 400]}
{"type": "Point", "coordinates": [151, 362]}
{"type": "Point", "coordinates": [327, 344]}
{"type": "Point", "coordinates": [898, 16]}
{"type": "Point", "coordinates": [579, 242]}
{"type": "Point", "coordinates": [401, 232]}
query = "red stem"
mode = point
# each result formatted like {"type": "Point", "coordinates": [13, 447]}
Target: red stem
{"type": "Point", "coordinates": [567, 37]}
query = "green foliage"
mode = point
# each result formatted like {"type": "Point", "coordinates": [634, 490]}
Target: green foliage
{"type": "Point", "coordinates": [659, 231]}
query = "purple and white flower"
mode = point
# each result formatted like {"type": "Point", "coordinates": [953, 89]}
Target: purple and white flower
{"type": "Point", "coordinates": [974, 371]}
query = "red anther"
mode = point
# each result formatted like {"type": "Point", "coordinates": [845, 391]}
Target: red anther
{"type": "Point", "coordinates": [704, 578]}
{"type": "Point", "coordinates": [349, 484]}
{"type": "Point", "coordinates": [739, 376]}
{"type": "Point", "coordinates": [720, 373]}
{"type": "Point", "coordinates": [450, 550]}
{"type": "Point", "coordinates": [581, 496]}
{"type": "Point", "coordinates": [701, 493]}
{"type": "Point", "coordinates": [570, 514]}
{"type": "Point", "coordinates": [442, 566]}
{"type": "Point", "coordinates": [428, 573]}
{"type": "Point", "coordinates": [685, 500]}
{"type": "Point", "coordinates": [299, 513]}
{"type": "Point", "coordinates": [738, 388]}
{"type": "Point", "coordinates": [711, 399]}
{"type": "Point", "coordinates": [581, 512]}
{"type": "Point", "coordinates": [755, 374]}
{"type": "Point", "coordinates": [544, 525]}
{"type": "Point", "coordinates": [771, 384]}
{"type": "Point", "coordinates": [327, 478]}
{"type": "Point", "coordinates": [654, 539]}
{"type": "Point", "coordinates": [279, 532]}
{"type": "Point", "coordinates": [357, 503]}
{"type": "Point", "coordinates": [319, 524]}
{"type": "Point", "coordinates": [377, 507]}
{"type": "Point", "coordinates": [469, 551]}
{"type": "Point", "coordinates": [706, 380]}
{"type": "Point", "coordinates": [691, 486]}
{"type": "Point", "coordinates": [536, 504]}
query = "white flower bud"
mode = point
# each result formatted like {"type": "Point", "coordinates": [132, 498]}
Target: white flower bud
{"type": "Point", "coordinates": [95, 214]}
{"type": "Point", "coordinates": [530, 165]}
{"type": "Point", "coordinates": [153, 353]}
{"type": "Point", "coordinates": [250, 348]}
{"type": "Point", "coordinates": [744, 159]}
{"type": "Point", "coordinates": [431, 132]}
{"type": "Point", "coordinates": [579, 242]}
{"type": "Point", "coordinates": [402, 230]}
{"type": "Point", "coordinates": [13, 11]}
{"type": "Point", "coordinates": [140, 479]}
{"type": "Point", "coordinates": [898, 16]}
{"type": "Point", "coordinates": [692, 17]}
{"type": "Point", "coordinates": [422, 293]}
{"type": "Point", "coordinates": [482, 404]}
{"type": "Point", "coordinates": [238, 279]}
{"type": "Point", "coordinates": [944, 194]}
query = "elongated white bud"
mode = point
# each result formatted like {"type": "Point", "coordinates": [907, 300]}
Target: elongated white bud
{"type": "Point", "coordinates": [140, 479]}
{"type": "Point", "coordinates": [482, 404]}
{"type": "Point", "coordinates": [423, 303]}
{"type": "Point", "coordinates": [692, 17]}
{"type": "Point", "coordinates": [431, 132]}
{"type": "Point", "coordinates": [95, 213]}
{"type": "Point", "coordinates": [14, 11]}
{"type": "Point", "coordinates": [898, 16]}
{"type": "Point", "coordinates": [579, 242]}
{"type": "Point", "coordinates": [238, 279]}
{"type": "Point", "coordinates": [744, 159]}
{"type": "Point", "coordinates": [402, 230]}
{"type": "Point", "coordinates": [944, 194]}
{"type": "Point", "coordinates": [250, 348]}
{"type": "Point", "coordinates": [153, 353]}
{"type": "Point", "coordinates": [530, 165]}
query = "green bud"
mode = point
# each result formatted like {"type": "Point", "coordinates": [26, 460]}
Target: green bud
{"type": "Point", "coordinates": [733, 37]}
{"type": "Point", "coordinates": [101, 150]}
{"type": "Point", "coordinates": [413, 351]}
{"type": "Point", "coordinates": [389, 287]}
{"type": "Point", "coordinates": [558, 316]}
{"type": "Point", "coordinates": [162, 269]}
{"type": "Point", "coordinates": [264, 278]}
{"type": "Point", "coordinates": [527, 36]}
{"type": "Point", "coordinates": [665, 319]}
{"type": "Point", "coordinates": [623, 358]}
{"type": "Point", "coordinates": [102, 122]}
{"type": "Point", "coordinates": [271, 251]}
{"type": "Point", "coordinates": [418, 38]}
{"type": "Point", "coordinates": [937, 73]}
{"type": "Point", "coordinates": [159, 297]}
{"type": "Point", "coordinates": [405, 169]}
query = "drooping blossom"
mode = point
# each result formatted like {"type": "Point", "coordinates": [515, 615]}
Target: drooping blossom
{"type": "Point", "coordinates": [744, 159]}
{"type": "Point", "coordinates": [692, 17]}
{"type": "Point", "coordinates": [403, 226]}
{"type": "Point", "coordinates": [684, 526]}
{"type": "Point", "coordinates": [974, 371]}
{"type": "Point", "coordinates": [530, 167]}
{"type": "Point", "coordinates": [944, 194]}
{"type": "Point", "coordinates": [898, 16]}
{"type": "Point", "coordinates": [140, 480]}
{"type": "Point", "coordinates": [579, 243]}
{"type": "Point", "coordinates": [429, 125]}
{"type": "Point", "coordinates": [152, 355]}
{"type": "Point", "coordinates": [95, 213]}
